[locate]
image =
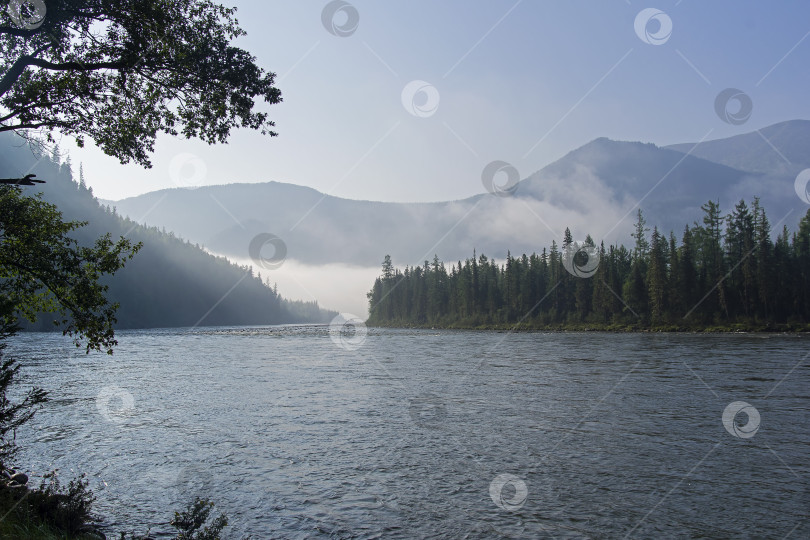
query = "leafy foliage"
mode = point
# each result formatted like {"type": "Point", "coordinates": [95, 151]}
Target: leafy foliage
{"type": "Point", "coordinates": [191, 521]}
{"type": "Point", "coordinates": [50, 511]}
{"type": "Point", "coordinates": [65, 508]}
{"type": "Point", "coordinates": [122, 71]}
{"type": "Point", "coordinates": [13, 415]}
{"type": "Point", "coordinates": [42, 269]}
{"type": "Point", "coordinates": [727, 271]}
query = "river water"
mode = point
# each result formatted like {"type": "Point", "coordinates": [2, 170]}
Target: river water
{"type": "Point", "coordinates": [296, 432]}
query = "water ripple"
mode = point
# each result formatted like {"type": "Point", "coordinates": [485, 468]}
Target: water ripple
{"type": "Point", "coordinates": [293, 437]}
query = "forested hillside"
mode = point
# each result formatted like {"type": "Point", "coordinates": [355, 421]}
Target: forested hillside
{"type": "Point", "coordinates": [170, 282]}
{"type": "Point", "coordinates": [725, 273]}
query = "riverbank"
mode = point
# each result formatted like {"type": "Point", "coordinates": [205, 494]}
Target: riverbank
{"type": "Point", "coordinates": [596, 327]}
{"type": "Point", "coordinates": [54, 512]}
{"type": "Point", "coordinates": [48, 512]}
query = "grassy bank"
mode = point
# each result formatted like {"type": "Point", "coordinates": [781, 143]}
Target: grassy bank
{"type": "Point", "coordinates": [32, 528]}
{"type": "Point", "coordinates": [52, 513]}
{"type": "Point", "coordinates": [47, 513]}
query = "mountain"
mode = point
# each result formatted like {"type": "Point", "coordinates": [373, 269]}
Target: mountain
{"type": "Point", "coordinates": [782, 148]}
{"type": "Point", "coordinates": [316, 228]}
{"type": "Point", "coordinates": [593, 190]}
{"type": "Point", "coordinates": [170, 282]}
{"type": "Point", "coordinates": [670, 185]}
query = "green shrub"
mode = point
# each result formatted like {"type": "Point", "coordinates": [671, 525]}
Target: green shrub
{"type": "Point", "coordinates": [191, 523]}
{"type": "Point", "coordinates": [65, 509]}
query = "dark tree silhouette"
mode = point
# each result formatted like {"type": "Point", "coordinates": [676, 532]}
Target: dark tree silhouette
{"type": "Point", "coordinates": [122, 71]}
{"type": "Point", "coordinates": [27, 180]}
{"type": "Point", "coordinates": [737, 277]}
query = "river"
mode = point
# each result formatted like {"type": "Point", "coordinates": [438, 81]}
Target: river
{"type": "Point", "coordinates": [296, 432]}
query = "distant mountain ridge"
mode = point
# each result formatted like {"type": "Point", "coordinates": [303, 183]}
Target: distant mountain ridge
{"type": "Point", "coordinates": [782, 147]}
{"type": "Point", "coordinates": [593, 190]}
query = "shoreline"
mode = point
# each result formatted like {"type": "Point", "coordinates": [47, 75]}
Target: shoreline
{"type": "Point", "coordinates": [786, 329]}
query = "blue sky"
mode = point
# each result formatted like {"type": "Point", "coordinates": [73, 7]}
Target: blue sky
{"type": "Point", "coordinates": [524, 82]}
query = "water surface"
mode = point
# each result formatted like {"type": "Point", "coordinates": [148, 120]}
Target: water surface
{"type": "Point", "coordinates": [411, 434]}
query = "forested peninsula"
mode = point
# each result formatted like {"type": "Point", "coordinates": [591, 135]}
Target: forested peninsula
{"type": "Point", "coordinates": [732, 272]}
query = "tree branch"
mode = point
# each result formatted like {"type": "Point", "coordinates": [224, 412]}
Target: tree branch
{"type": "Point", "coordinates": [34, 105]}
{"type": "Point", "coordinates": [17, 69]}
{"type": "Point", "coordinates": [20, 32]}
{"type": "Point", "coordinates": [31, 126]}
{"type": "Point", "coordinates": [51, 289]}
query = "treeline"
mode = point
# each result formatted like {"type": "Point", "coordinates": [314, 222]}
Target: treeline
{"type": "Point", "coordinates": [726, 273]}
{"type": "Point", "coordinates": [170, 282]}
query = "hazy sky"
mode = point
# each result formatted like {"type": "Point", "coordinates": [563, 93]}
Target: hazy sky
{"type": "Point", "coordinates": [520, 81]}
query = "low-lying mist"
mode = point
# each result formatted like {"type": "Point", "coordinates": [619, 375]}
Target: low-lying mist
{"type": "Point", "coordinates": [335, 286]}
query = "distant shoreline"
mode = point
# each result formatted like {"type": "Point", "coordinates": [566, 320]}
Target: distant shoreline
{"type": "Point", "coordinates": [797, 329]}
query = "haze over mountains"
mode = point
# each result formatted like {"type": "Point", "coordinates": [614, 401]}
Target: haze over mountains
{"type": "Point", "coordinates": [334, 246]}
{"type": "Point", "coordinates": [169, 283]}
{"type": "Point", "coordinates": [592, 190]}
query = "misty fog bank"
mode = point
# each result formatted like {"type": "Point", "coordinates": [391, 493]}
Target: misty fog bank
{"type": "Point", "coordinates": [335, 286]}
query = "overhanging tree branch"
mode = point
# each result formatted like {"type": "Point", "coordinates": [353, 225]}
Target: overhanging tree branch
{"type": "Point", "coordinates": [156, 66]}
{"type": "Point", "coordinates": [27, 180]}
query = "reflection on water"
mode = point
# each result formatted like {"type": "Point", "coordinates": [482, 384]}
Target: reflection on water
{"type": "Point", "coordinates": [432, 433]}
